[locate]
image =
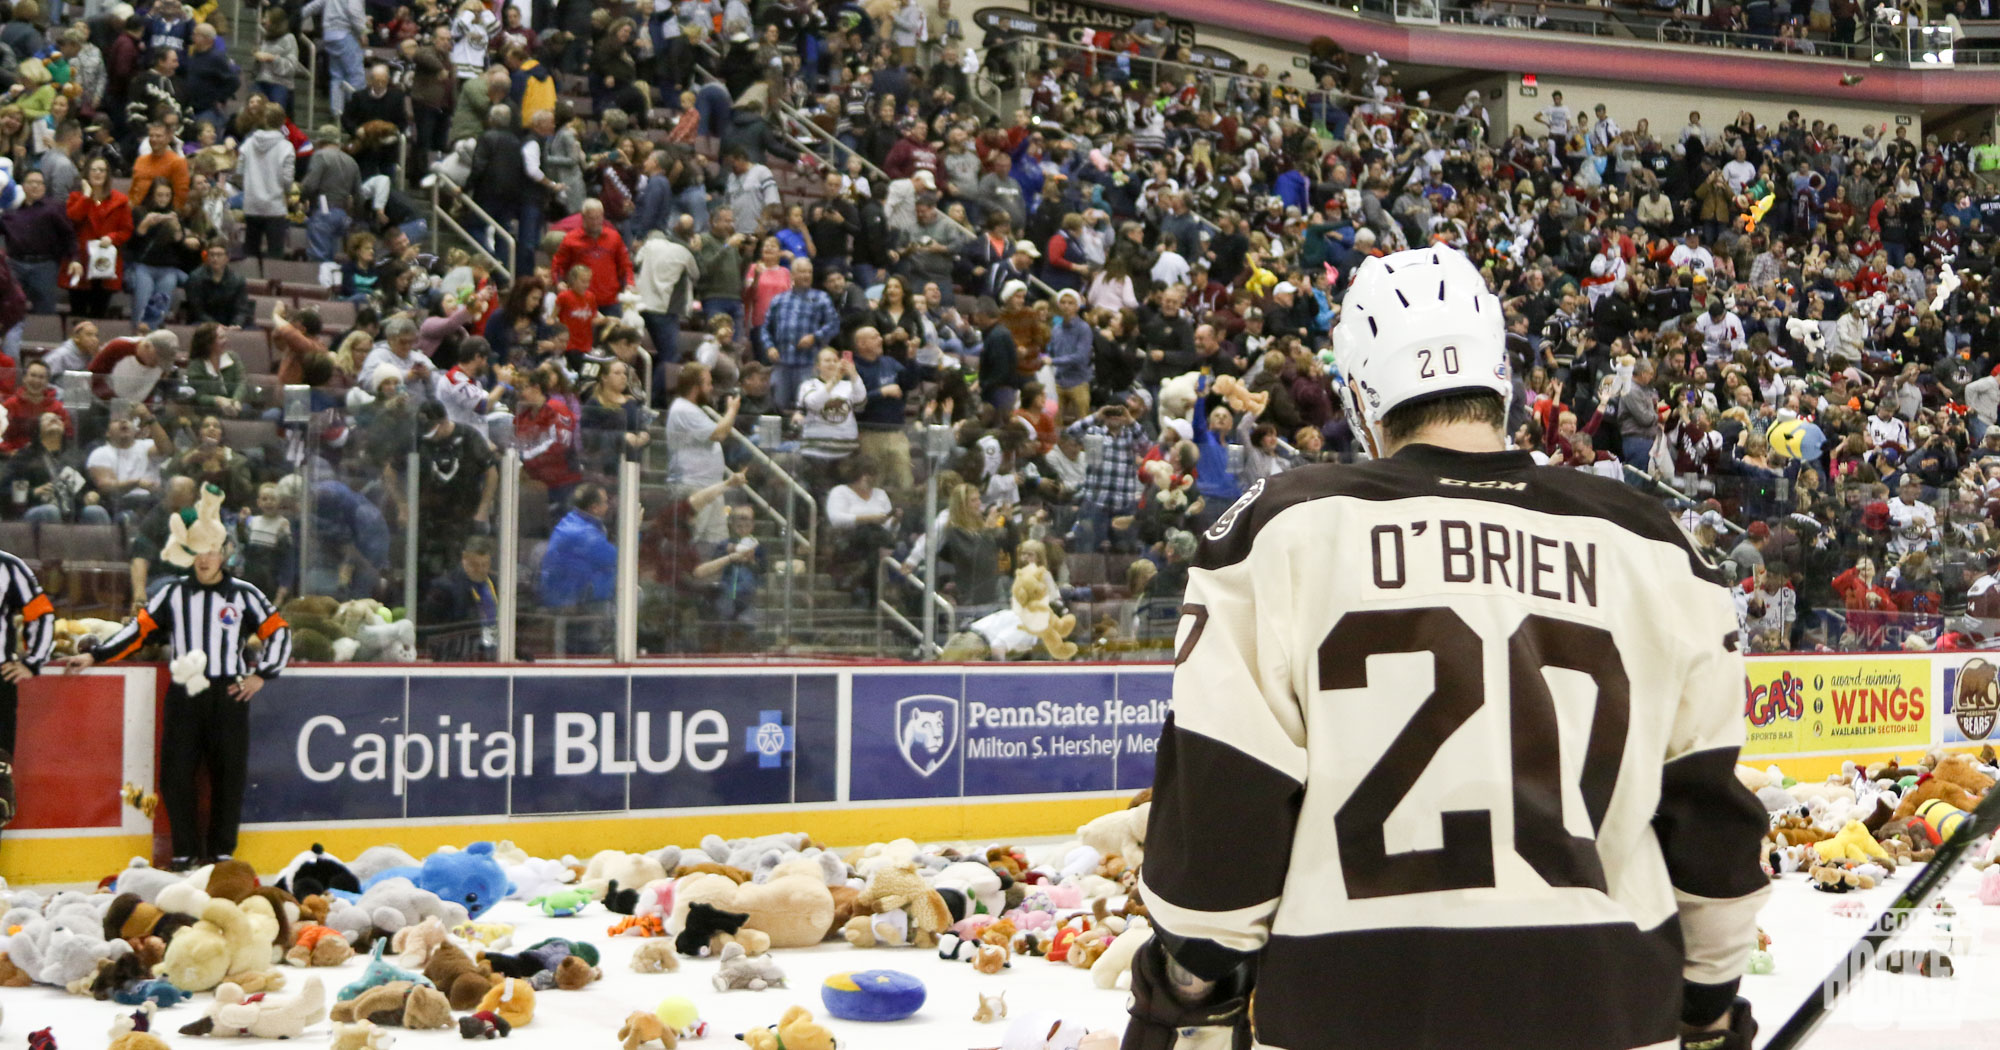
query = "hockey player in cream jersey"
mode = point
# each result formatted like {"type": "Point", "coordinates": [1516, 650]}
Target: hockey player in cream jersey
{"type": "Point", "coordinates": [1466, 729]}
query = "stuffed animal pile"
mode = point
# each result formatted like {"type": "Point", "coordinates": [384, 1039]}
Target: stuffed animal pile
{"type": "Point", "coordinates": [1860, 825]}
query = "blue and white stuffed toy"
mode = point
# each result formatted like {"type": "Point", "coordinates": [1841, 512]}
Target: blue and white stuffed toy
{"type": "Point", "coordinates": [10, 190]}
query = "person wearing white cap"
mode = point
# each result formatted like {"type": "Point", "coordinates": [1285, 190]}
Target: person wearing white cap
{"type": "Point", "coordinates": [1070, 350]}
{"type": "Point", "coordinates": [1013, 269]}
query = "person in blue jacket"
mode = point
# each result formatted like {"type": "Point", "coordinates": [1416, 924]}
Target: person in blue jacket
{"type": "Point", "coordinates": [580, 566]}
{"type": "Point", "coordinates": [1214, 431]}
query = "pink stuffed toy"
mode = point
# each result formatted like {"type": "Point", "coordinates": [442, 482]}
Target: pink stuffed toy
{"type": "Point", "coordinates": [1989, 886]}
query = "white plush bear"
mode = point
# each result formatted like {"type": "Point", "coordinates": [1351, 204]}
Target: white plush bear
{"type": "Point", "coordinates": [1122, 832]}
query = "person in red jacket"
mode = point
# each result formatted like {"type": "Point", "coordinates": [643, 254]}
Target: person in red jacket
{"type": "Point", "coordinates": [545, 432]}
{"type": "Point", "coordinates": [913, 153]}
{"type": "Point", "coordinates": [599, 247]}
{"type": "Point", "coordinates": [99, 212]}
{"type": "Point", "coordinates": [1870, 606]}
{"type": "Point", "coordinates": [25, 407]}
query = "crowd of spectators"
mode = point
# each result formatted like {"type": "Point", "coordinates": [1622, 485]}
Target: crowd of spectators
{"type": "Point", "coordinates": [1113, 302]}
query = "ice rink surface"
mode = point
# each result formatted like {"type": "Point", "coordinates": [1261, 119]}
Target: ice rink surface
{"type": "Point", "coordinates": [1808, 936]}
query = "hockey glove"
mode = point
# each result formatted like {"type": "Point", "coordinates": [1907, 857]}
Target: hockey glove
{"type": "Point", "coordinates": [1741, 1034]}
{"type": "Point", "coordinates": [1161, 1021]}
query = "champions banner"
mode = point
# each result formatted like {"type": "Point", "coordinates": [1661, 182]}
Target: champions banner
{"type": "Point", "coordinates": [1815, 704]}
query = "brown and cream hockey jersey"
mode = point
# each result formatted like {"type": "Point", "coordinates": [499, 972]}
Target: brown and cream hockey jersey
{"type": "Point", "coordinates": [1452, 756]}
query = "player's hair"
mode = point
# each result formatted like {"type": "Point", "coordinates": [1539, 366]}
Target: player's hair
{"type": "Point", "coordinates": [1466, 406]}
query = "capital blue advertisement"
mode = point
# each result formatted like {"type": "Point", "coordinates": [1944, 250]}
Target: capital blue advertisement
{"type": "Point", "coordinates": [386, 744]}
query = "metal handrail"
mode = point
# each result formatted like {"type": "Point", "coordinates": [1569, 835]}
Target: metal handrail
{"type": "Point", "coordinates": [794, 492]}
{"type": "Point", "coordinates": [438, 183]}
{"type": "Point", "coordinates": [312, 77]}
{"type": "Point", "coordinates": [885, 611]}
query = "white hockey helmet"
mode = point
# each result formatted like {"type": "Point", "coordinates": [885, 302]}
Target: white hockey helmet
{"type": "Point", "coordinates": [1417, 325]}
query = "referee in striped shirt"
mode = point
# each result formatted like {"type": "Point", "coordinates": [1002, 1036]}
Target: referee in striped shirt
{"type": "Point", "coordinates": [19, 661]}
{"type": "Point", "coordinates": [216, 615]}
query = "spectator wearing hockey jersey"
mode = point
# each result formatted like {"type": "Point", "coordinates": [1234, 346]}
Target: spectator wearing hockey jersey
{"type": "Point", "coordinates": [545, 432]}
{"type": "Point", "coordinates": [1886, 429]}
{"type": "Point", "coordinates": [1767, 605]}
{"type": "Point", "coordinates": [1913, 523]}
{"type": "Point", "coordinates": [1721, 331]}
{"type": "Point", "coordinates": [462, 390]}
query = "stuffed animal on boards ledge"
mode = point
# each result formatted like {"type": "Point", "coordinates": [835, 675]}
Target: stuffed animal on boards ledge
{"type": "Point", "coordinates": [1034, 587]}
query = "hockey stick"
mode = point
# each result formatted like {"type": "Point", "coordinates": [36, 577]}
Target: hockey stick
{"type": "Point", "coordinates": [1858, 959]}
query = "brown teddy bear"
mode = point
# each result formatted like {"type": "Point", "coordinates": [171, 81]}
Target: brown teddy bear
{"type": "Point", "coordinates": [1956, 779]}
{"type": "Point", "coordinates": [846, 905]}
{"type": "Point", "coordinates": [1794, 830]}
{"type": "Point", "coordinates": [641, 1028]}
{"type": "Point", "coordinates": [897, 888]}
{"type": "Point", "coordinates": [396, 1004]}
{"type": "Point", "coordinates": [316, 945]}
{"type": "Point", "coordinates": [463, 981]}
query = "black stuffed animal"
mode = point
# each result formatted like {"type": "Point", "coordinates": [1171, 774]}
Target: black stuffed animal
{"type": "Point", "coordinates": [116, 973]}
{"type": "Point", "coordinates": [623, 902]}
{"type": "Point", "coordinates": [703, 922]}
{"type": "Point", "coordinates": [483, 1025]}
{"type": "Point", "coordinates": [320, 875]}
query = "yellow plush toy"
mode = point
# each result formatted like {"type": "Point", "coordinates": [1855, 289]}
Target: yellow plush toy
{"type": "Point", "coordinates": [1853, 843]}
{"type": "Point", "coordinates": [512, 998]}
{"type": "Point", "coordinates": [1941, 818]}
{"type": "Point", "coordinates": [1033, 585]}
{"type": "Point", "coordinates": [795, 1031]}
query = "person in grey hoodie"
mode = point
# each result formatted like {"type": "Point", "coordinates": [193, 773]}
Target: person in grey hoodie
{"type": "Point", "coordinates": [267, 168]}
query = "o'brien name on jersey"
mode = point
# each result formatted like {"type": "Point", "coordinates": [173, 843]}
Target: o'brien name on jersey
{"type": "Point", "coordinates": [1488, 555]}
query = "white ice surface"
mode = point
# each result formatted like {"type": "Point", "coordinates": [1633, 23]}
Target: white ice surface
{"type": "Point", "coordinates": [1963, 1012]}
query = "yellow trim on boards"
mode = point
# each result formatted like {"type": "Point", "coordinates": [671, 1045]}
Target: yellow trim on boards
{"type": "Point", "coordinates": [79, 858]}
{"type": "Point", "coordinates": [25, 861]}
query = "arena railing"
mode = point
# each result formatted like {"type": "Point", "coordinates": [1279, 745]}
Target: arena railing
{"type": "Point", "coordinates": [441, 184]}
{"type": "Point", "coordinates": [796, 498]}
